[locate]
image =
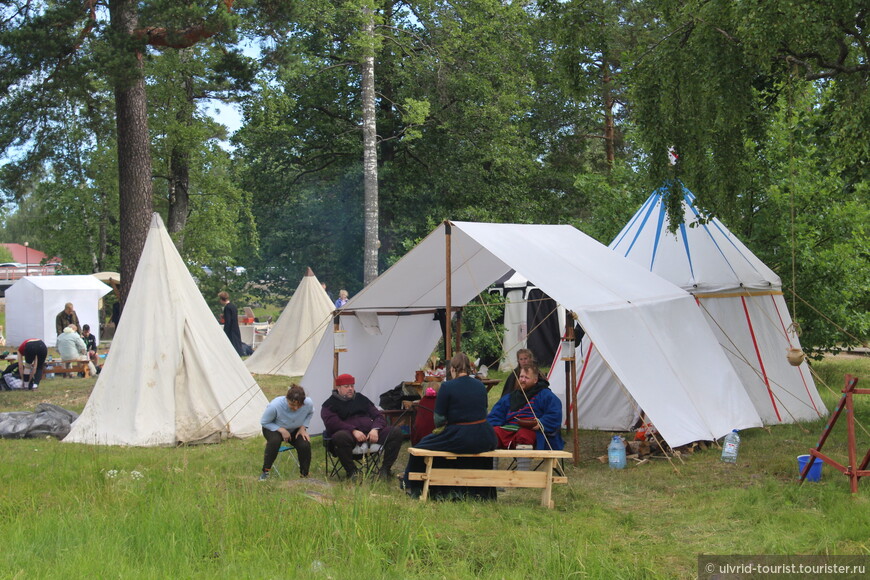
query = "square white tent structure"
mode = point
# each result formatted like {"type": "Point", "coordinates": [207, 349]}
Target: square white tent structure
{"type": "Point", "coordinates": [682, 380]}
{"type": "Point", "coordinates": [33, 303]}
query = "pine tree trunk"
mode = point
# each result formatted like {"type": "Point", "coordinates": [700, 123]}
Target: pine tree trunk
{"type": "Point", "coordinates": [179, 166]}
{"type": "Point", "coordinates": [370, 156]}
{"type": "Point", "coordinates": [134, 154]}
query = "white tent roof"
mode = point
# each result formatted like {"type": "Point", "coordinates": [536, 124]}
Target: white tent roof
{"type": "Point", "coordinates": [171, 376]}
{"type": "Point", "coordinates": [684, 380]}
{"type": "Point", "coordinates": [33, 303]}
{"type": "Point", "coordinates": [289, 346]}
{"type": "Point", "coordinates": [740, 298]}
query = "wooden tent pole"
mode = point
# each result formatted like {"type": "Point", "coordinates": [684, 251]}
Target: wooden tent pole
{"type": "Point", "coordinates": [448, 334]}
{"type": "Point", "coordinates": [571, 398]}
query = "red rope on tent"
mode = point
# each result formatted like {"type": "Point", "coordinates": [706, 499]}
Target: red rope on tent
{"type": "Point", "coordinates": [758, 356]}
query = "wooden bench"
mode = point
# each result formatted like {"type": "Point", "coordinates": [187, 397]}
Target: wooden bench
{"type": "Point", "coordinates": [72, 368]}
{"type": "Point", "coordinates": [446, 476]}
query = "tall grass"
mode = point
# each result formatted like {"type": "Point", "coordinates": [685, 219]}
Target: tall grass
{"type": "Point", "coordinates": [70, 510]}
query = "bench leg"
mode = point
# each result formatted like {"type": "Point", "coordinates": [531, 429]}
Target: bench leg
{"type": "Point", "coordinates": [425, 494]}
{"type": "Point", "coordinates": [547, 494]}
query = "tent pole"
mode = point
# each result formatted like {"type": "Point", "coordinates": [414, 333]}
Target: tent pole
{"type": "Point", "coordinates": [448, 334]}
{"type": "Point", "coordinates": [335, 327]}
{"type": "Point", "coordinates": [571, 398]}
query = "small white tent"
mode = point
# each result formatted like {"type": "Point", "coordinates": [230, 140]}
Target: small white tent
{"type": "Point", "coordinates": [740, 297]}
{"type": "Point", "coordinates": [290, 344]}
{"type": "Point", "coordinates": [683, 380]}
{"type": "Point", "coordinates": [171, 376]}
{"type": "Point", "coordinates": [33, 303]}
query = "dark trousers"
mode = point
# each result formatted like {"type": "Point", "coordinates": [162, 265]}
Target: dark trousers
{"type": "Point", "coordinates": [342, 445]}
{"type": "Point", "coordinates": [273, 443]}
{"type": "Point", "coordinates": [35, 350]}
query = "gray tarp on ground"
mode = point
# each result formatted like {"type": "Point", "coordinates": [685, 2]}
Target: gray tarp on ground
{"type": "Point", "coordinates": [48, 419]}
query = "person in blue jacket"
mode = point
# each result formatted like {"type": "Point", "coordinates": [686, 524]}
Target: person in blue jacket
{"type": "Point", "coordinates": [286, 419]}
{"type": "Point", "coordinates": [530, 415]}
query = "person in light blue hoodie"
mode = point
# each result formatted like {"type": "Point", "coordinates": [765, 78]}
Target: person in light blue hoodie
{"type": "Point", "coordinates": [286, 419]}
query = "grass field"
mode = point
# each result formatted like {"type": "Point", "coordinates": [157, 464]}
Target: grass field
{"type": "Point", "coordinates": [72, 510]}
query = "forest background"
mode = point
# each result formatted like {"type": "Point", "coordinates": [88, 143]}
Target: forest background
{"type": "Point", "coordinates": [527, 112]}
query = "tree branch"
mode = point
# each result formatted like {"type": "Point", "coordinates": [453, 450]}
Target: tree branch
{"type": "Point", "coordinates": [183, 38]}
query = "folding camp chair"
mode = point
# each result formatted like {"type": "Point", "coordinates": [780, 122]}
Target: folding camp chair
{"type": "Point", "coordinates": [367, 459]}
{"type": "Point", "coordinates": [286, 451]}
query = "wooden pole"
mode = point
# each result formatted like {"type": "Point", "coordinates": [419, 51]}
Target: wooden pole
{"type": "Point", "coordinates": [571, 398]}
{"type": "Point", "coordinates": [448, 334]}
{"type": "Point", "coordinates": [335, 327]}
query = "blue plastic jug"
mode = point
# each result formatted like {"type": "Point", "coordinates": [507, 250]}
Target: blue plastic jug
{"type": "Point", "coordinates": [616, 453]}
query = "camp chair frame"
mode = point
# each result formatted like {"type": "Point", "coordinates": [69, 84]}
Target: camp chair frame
{"type": "Point", "coordinates": [367, 464]}
{"type": "Point", "coordinates": [286, 450]}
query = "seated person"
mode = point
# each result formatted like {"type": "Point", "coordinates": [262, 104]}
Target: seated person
{"type": "Point", "coordinates": [424, 417]}
{"type": "Point", "coordinates": [460, 418]}
{"type": "Point", "coordinates": [286, 419]}
{"type": "Point", "coordinates": [90, 343]}
{"type": "Point", "coordinates": [70, 345]}
{"type": "Point", "coordinates": [524, 357]}
{"type": "Point", "coordinates": [351, 419]}
{"type": "Point", "coordinates": [524, 416]}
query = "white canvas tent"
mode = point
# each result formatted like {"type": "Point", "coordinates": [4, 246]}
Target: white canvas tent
{"type": "Point", "coordinates": [682, 380]}
{"type": "Point", "coordinates": [171, 376]}
{"type": "Point", "coordinates": [740, 297]}
{"type": "Point", "coordinates": [289, 346]}
{"type": "Point", "coordinates": [33, 303]}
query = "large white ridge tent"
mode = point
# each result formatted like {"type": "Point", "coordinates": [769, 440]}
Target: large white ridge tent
{"type": "Point", "coordinates": [171, 377]}
{"type": "Point", "coordinates": [740, 297]}
{"type": "Point", "coordinates": [683, 380]}
{"type": "Point", "coordinates": [289, 346]}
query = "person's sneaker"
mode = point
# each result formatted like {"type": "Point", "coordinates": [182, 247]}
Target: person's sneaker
{"type": "Point", "coordinates": [264, 476]}
{"type": "Point", "coordinates": [385, 474]}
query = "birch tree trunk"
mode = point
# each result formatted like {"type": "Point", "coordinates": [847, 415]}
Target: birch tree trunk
{"type": "Point", "coordinates": [370, 153]}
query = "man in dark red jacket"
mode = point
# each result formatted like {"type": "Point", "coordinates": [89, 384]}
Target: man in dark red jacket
{"type": "Point", "coordinates": [351, 420]}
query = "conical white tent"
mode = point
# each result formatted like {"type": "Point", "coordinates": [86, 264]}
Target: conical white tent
{"type": "Point", "coordinates": [740, 297]}
{"type": "Point", "coordinates": [683, 380]}
{"type": "Point", "coordinates": [290, 344]}
{"type": "Point", "coordinates": [171, 376]}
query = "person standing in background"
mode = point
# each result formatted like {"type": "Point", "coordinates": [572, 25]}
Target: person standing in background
{"type": "Point", "coordinates": [231, 322]}
{"type": "Point", "coordinates": [66, 317]}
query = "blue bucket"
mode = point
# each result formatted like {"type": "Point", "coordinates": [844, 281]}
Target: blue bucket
{"type": "Point", "coordinates": [815, 473]}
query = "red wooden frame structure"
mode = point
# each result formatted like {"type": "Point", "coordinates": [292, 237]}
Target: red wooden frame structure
{"type": "Point", "coordinates": [851, 472]}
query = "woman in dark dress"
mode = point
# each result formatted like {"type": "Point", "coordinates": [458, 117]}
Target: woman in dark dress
{"type": "Point", "coordinates": [461, 427]}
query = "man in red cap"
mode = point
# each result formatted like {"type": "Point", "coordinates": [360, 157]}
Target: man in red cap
{"type": "Point", "coordinates": [350, 420]}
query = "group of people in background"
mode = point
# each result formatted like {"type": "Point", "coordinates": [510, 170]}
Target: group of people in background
{"type": "Point", "coordinates": [71, 346]}
{"type": "Point", "coordinates": [528, 413]}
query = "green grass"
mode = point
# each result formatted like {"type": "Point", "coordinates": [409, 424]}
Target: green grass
{"type": "Point", "coordinates": [72, 510]}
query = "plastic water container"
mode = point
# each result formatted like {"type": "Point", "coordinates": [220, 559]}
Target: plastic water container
{"type": "Point", "coordinates": [616, 453]}
{"type": "Point", "coordinates": [730, 447]}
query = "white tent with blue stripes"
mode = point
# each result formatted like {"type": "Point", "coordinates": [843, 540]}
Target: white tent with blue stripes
{"type": "Point", "coordinates": [740, 297]}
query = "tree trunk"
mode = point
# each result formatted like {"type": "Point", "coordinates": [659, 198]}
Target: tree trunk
{"type": "Point", "coordinates": [370, 154]}
{"type": "Point", "coordinates": [134, 154]}
{"type": "Point", "coordinates": [179, 167]}
{"type": "Point", "coordinates": [609, 103]}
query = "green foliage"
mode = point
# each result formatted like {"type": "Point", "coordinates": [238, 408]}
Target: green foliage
{"type": "Point", "coordinates": [483, 329]}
